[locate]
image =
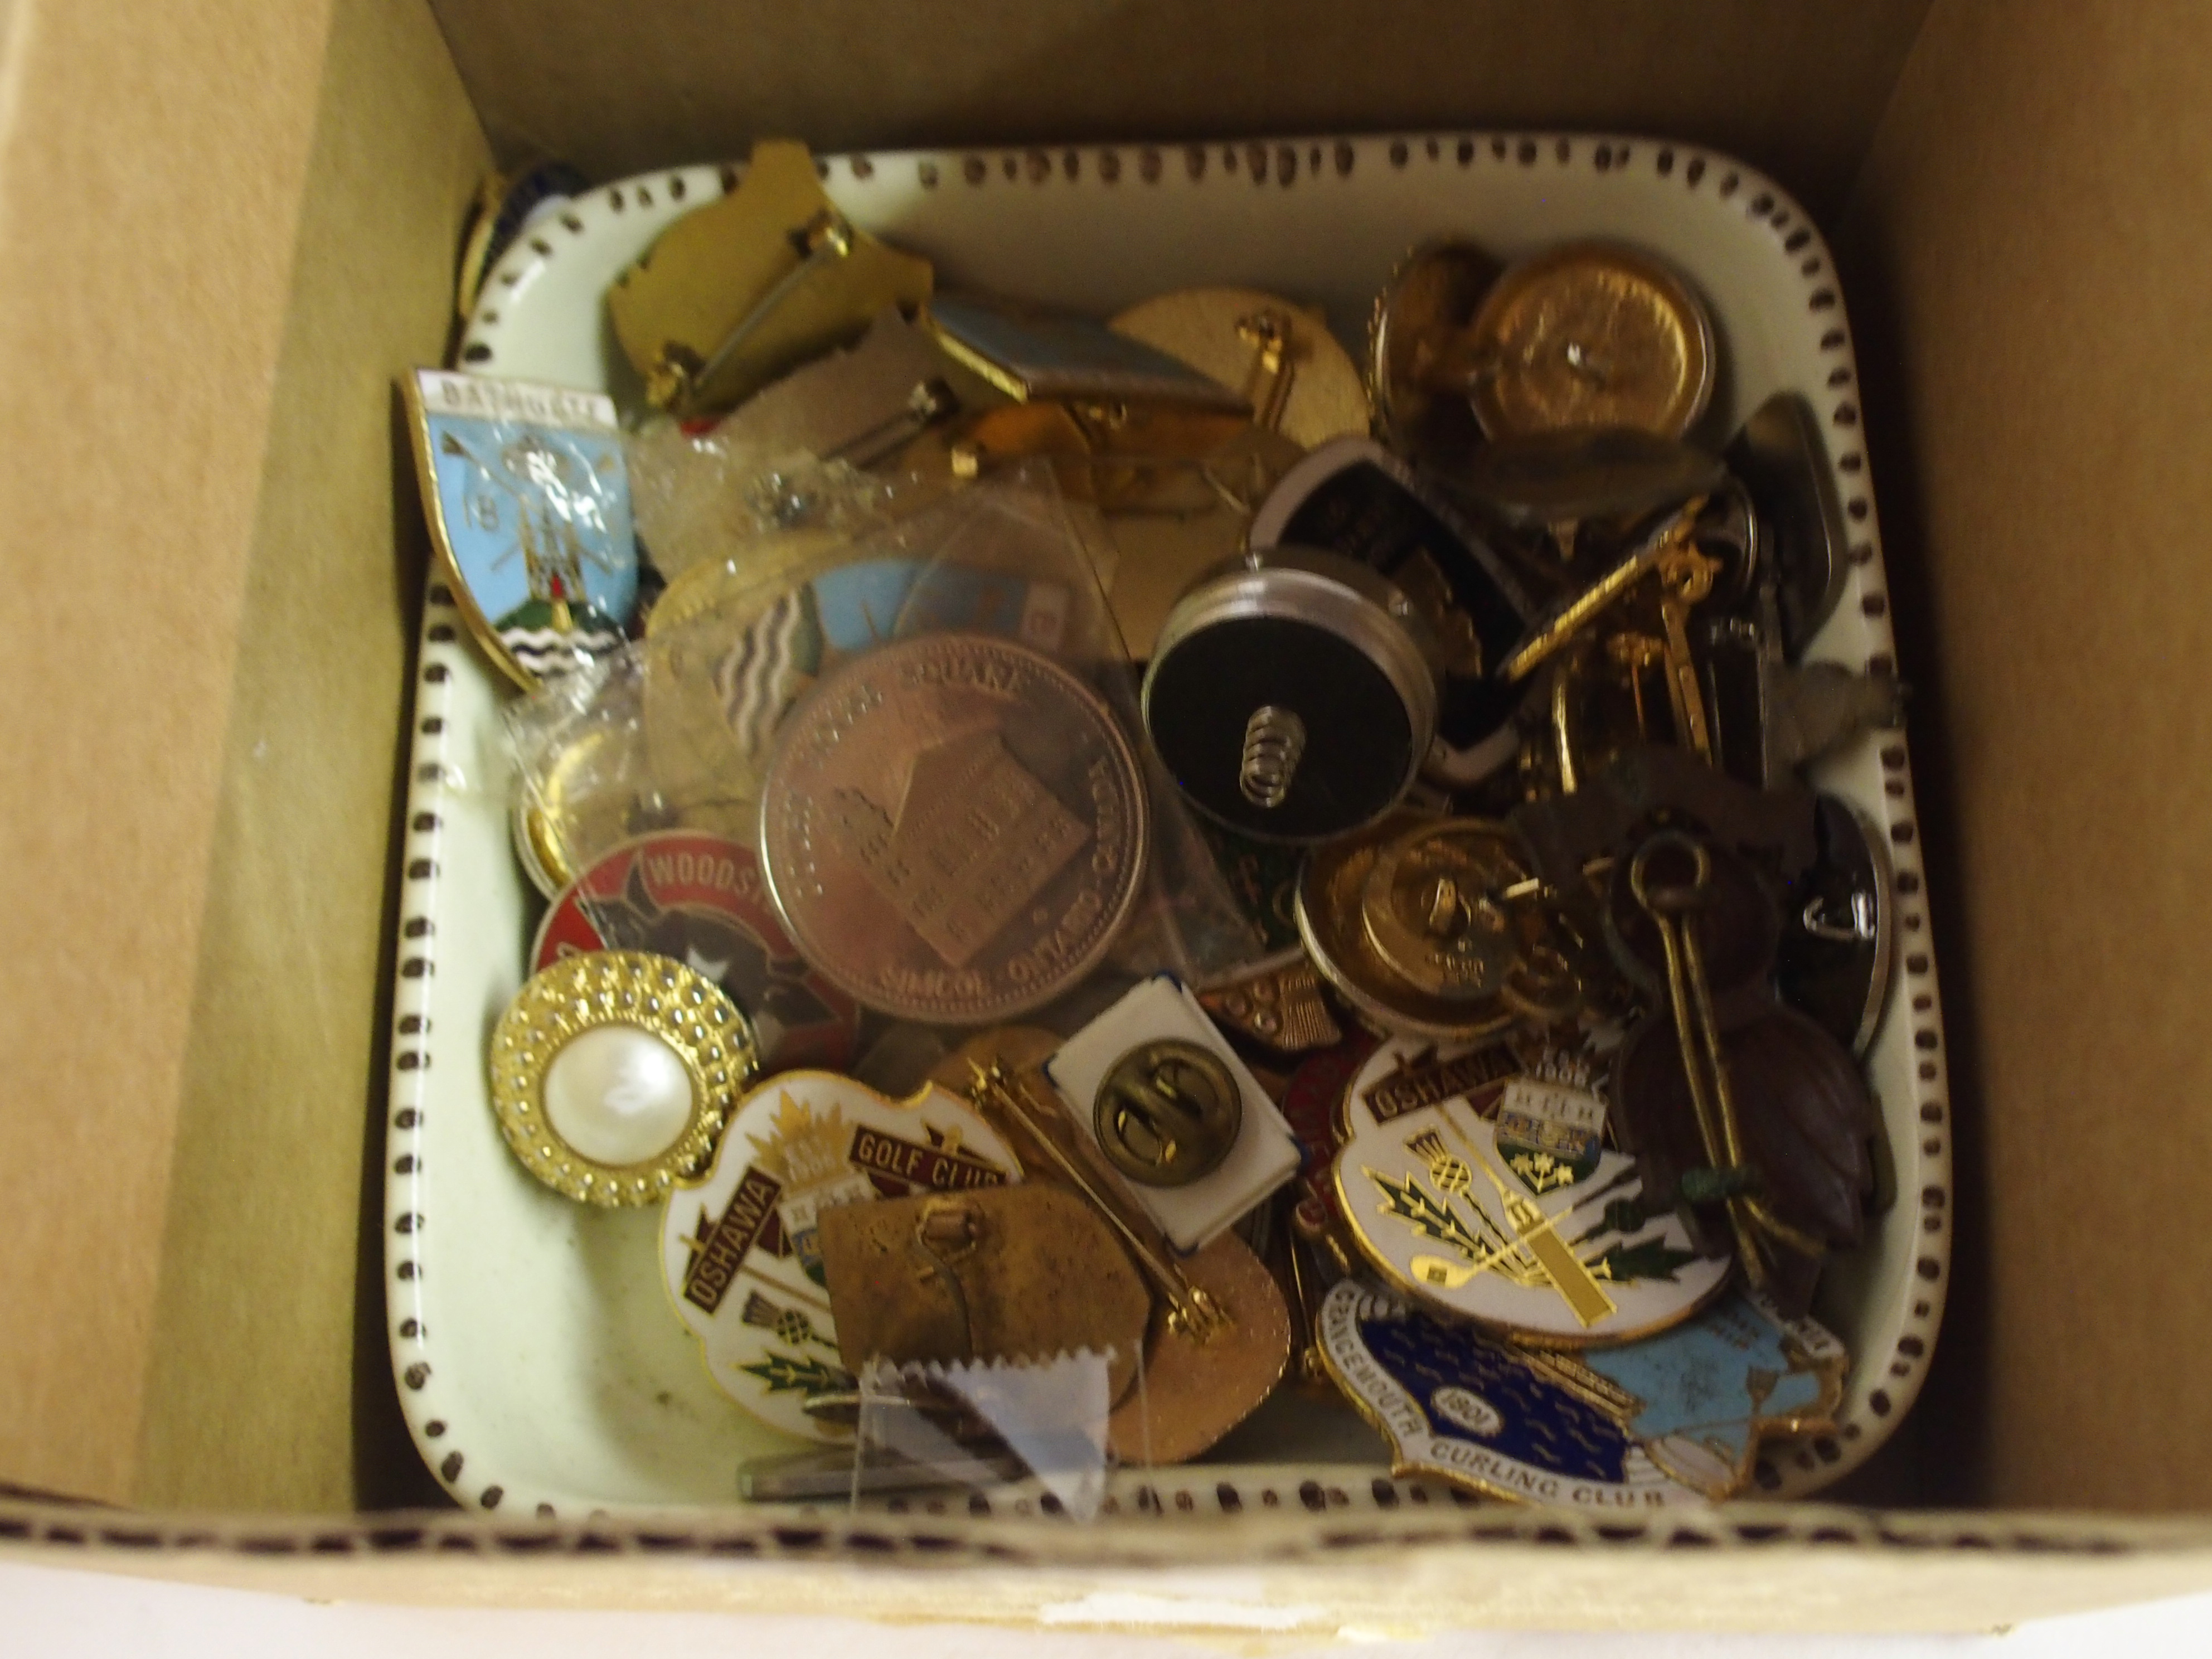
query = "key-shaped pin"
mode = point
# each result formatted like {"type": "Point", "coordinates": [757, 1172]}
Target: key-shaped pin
{"type": "Point", "coordinates": [1704, 1063]}
{"type": "Point", "coordinates": [1686, 579]}
{"type": "Point", "coordinates": [1566, 622]}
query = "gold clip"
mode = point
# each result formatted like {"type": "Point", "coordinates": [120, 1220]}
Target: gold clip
{"type": "Point", "coordinates": [746, 288]}
{"type": "Point", "coordinates": [1190, 1310]}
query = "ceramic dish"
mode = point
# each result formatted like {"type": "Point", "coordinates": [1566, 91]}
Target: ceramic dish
{"type": "Point", "coordinates": [538, 1363]}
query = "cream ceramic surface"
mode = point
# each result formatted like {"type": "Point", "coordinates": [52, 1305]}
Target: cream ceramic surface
{"type": "Point", "coordinates": [538, 1363]}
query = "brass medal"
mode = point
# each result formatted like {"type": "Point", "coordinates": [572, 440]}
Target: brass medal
{"type": "Point", "coordinates": [1432, 908]}
{"type": "Point", "coordinates": [1586, 334]}
{"type": "Point", "coordinates": [1425, 307]}
{"type": "Point", "coordinates": [1332, 922]}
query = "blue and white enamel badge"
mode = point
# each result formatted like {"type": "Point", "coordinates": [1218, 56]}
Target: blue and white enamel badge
{"type": "Point", "coordinates": [528, 500]}
{"type": "Point", "coordinates": [1675, 1418]}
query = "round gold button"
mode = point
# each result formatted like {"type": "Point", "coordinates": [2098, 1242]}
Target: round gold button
{"type": "Point", "coordinates": [1585, 337]}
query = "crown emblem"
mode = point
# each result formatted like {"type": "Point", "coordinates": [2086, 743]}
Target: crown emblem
{"type": "Point", "coordinates": [802, 1150]}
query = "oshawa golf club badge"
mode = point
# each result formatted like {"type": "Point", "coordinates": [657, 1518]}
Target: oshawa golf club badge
{"type": "Point", "coordinates": [1485, 1188]}
{"type": "Point", "coordinates": [740, 1249]}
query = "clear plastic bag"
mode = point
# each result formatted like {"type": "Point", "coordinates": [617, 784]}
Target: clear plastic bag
{"type": "Point", "coordinates": [678, 728]}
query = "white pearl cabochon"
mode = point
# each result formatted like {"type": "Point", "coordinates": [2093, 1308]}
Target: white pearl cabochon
{"type": "Point", "coordinates": [618, 1094]}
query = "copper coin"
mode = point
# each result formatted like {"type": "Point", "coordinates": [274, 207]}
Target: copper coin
{"type": "Point", "coordinates": [1587, 335]}
{"type": "Point", "coordinates": [953, 828]}
{"type": "Point", "coordinates": [1195, 1389]}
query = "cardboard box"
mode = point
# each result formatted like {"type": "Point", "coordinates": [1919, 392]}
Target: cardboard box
{"type": "Point", "coordinates": [225, 227]}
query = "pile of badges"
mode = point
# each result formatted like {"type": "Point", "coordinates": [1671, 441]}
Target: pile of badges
{"type": "Point", "coordinates": [1525, 1109]}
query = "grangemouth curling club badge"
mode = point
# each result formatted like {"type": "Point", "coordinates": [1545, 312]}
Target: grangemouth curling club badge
{"type": "Point", "coordinates": [740, 1249]}
{"type": "Point", "coordinates": [528, 500]}
{"type": "Point", "coordinates": [1676, 1419]}
{"type": "Point", "coordinates": [1483, 1188]}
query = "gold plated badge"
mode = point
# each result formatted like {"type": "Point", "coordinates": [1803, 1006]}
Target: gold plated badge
{"type": "Point", "coordinates": [1432, 907]}
{"type": "Point", "coordinates": [613, 1072]}
{"type": "Point", "coordinates": [1586, 335]}
{"type": "Point", "coordinates": [1485, 1188]}
{"type": "Point", "coordinates": [745, 289]}
{"type": "Point", "coordinates": [1421, 408]}
{"type": "Point", "coordinates": [527, 498]}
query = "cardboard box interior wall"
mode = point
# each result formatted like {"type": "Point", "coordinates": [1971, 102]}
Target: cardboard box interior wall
{"type": "Point", "coordinates": [224, 227]}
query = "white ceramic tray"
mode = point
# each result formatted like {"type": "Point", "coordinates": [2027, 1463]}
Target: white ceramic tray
{"type": "Point", "coordinates": [539, 1365]}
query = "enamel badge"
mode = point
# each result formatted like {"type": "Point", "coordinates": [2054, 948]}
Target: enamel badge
{"type": "Point", "coordinates": [699, 899]}
{"type": "Point", "coordinates": [1486, 1189]}
{"type": "Point", "coordinates": [742, 1251]}
{"type": "Point", "coordinates": [529, 506]}
{"type": "Point", "coordinates": [1676, 1419]}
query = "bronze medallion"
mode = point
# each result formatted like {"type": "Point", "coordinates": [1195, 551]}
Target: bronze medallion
{"type": "Point", "coordinates": [1584, 336]}
{"type": "Point", "coordinates": [1168, 1113]}
{"type": "Point", "coordinates": [954, 828]}
{"type": "Point", "coordinates": [1431, 910]}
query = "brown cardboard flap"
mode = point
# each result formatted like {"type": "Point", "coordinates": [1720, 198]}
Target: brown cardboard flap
{"type": "Point", "coordinates": [1796, 89]}
{"type": "Point", "coordinates": [2036, 222]}
{"type": "Point", "coordinates": [149, 186]}
{"type": "Point", "coordinates": [1271, 1579]}
{"type": "Point", "coordinates": [251, 1404]}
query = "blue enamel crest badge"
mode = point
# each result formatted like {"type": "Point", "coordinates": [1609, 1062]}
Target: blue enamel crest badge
{"type": "Point", "coordinates": [528, 498]}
